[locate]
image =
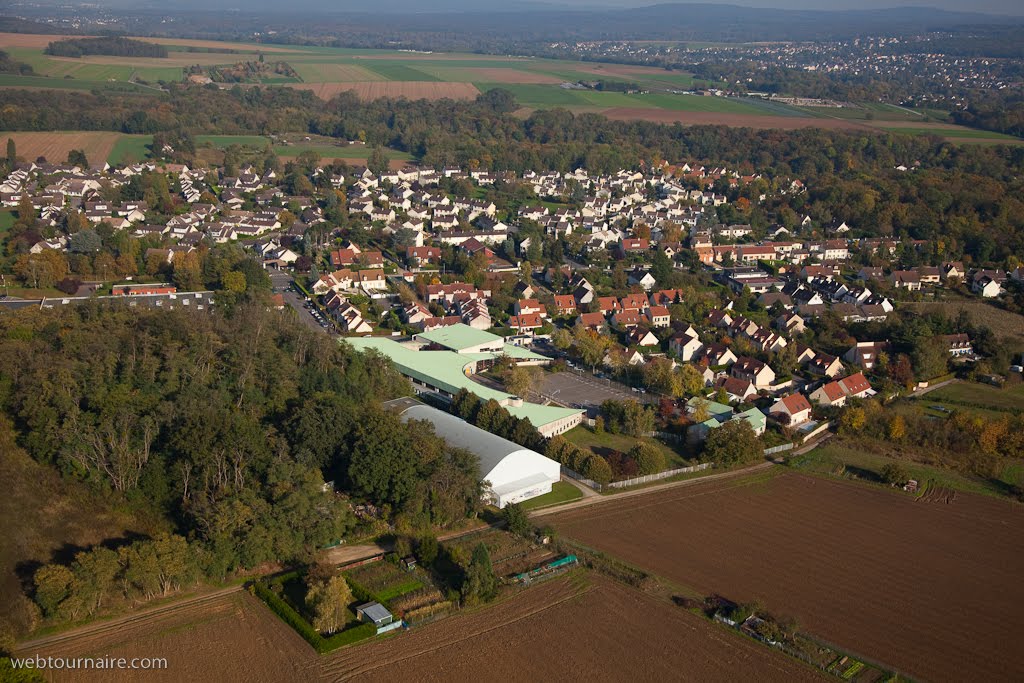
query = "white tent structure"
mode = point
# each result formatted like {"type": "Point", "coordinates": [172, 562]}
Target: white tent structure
{"type": "Point", "coordinates": [513, 473]}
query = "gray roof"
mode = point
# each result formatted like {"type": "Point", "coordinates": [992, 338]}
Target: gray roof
{"type": "Point", "coordinates": [490, 449]}
{"type": "Point", "coordinates": [374, 611]}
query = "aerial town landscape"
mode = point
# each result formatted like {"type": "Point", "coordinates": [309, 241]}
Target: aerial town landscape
{"type": "Point", "coordinates": [493, 343]}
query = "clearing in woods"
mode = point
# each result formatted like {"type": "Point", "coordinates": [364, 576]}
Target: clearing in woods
{"type": "Point", "coordinates": [55, 146]}
{"type": "Point", "coordinates": [875, 571]}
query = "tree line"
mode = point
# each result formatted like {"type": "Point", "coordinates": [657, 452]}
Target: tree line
{"type": "Point", "coordinates": [116, 46]}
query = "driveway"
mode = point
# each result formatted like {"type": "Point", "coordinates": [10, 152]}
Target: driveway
{"type": "Point", "coordinates": [282, 284]}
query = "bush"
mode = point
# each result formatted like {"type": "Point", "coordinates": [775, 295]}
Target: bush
{"type": "Point", "coordinates": [517, 521]}
{"type": "Point", "coordinates": [648, 459]}
{"type": "Point", "coordinates": [289, 616]}
{"type": "Point", "coordinates": [894, 473]}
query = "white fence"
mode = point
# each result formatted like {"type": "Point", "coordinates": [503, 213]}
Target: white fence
{"type": "Point", "coordinates": [778, 449]}
{"type": "Point", "coordinates": [660, 475]}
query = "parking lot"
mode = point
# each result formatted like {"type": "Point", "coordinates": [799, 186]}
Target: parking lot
{"type": "Point", "coordinates": [578, 388]}
{"type": "Point", "coordinates": [306, 310]}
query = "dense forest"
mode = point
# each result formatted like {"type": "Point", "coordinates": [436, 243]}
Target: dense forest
{"type": "Point", "coordinates": [222, 427]}
{"type": "Point", "coordinates": [117, 46]}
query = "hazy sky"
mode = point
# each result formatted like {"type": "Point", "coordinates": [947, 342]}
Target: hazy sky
{"type": "Point", "coordinates": [1015, 7]}
{"type": "Point", "coordinates": [1011, 7]}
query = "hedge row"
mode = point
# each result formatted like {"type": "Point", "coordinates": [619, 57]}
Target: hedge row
{"type": "Point", "coordinates": [288, 614]}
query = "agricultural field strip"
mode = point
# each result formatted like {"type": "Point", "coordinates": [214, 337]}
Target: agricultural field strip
{"type": "Point", "coordinates": [467, 634]}
{"type": "Point", "coordinates": [921, 652]}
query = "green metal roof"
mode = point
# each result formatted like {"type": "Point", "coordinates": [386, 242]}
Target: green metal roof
{"type": "Point", "coordinates": [446, 370]}
{"type": "Point", "coordinates": [459, 336]}
{"type": "Point", "coordinates": [715, 409]}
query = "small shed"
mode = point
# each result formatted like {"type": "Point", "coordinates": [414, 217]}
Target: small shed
{"type": "Point", "coordinates": [374, 613]}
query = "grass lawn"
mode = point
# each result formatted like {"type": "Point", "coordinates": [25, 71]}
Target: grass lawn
{"type": "Point", "coordinates": [130, 149]}
{"type": "Point", "coordinates": [994, 398]}
{"type": "Point", "coordinates": [12, 81]}
{"type": "Point", "coordinates": [396, 71]}
{"type": "Point", "coordinates": [7, 219]}
{"type": "Point", "coordinates": [724, 105]}
{"type": "Point", "coordinates": [561, 492]}
{"type": "Point", "coordinates": [844, 461]}
{"type": "Point", "coordinates": [603, 443]}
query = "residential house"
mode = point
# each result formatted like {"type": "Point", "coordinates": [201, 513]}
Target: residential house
{"type": "Point", "coordinates": [686, 346]}
{"type": "Point", "coordinates": [865, 354]}
{"type": "Point", "coordinates": [754, 371]}
{"type": "Point", "coordinates": [795, 407]}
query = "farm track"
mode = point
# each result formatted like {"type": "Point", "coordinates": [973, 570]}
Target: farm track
{"type": "Point", "coordinates": [871, 570]}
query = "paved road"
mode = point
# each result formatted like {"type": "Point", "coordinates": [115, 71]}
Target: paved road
{"type": "Point", "coordinates": [579, 388]}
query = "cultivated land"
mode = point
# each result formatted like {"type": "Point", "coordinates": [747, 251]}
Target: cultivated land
{"type": "Point", "coordinates": [576, 627]}
{"type": "Point", "coordinates": [879, 573]}
{"type": "Point", "coordinates": [535, 82]}
{"type": "Point", "coordinates": [55, 146]}
{"type": "Point", "coordinates": [231, 637]}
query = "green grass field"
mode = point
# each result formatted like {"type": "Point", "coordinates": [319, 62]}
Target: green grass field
{"type": "Point", "coordinates": [993, 398]}
{"type": "Point", "coordinates": [7, 218]}
{"type": "Point", "coordinates": [561, 492]}
{"type": "Point", "coordinates": [604, 442]}
{"type": "Point", "coordinates": [847, 462]}
{"type": "Point", "coordinates": [396, 71]}
{"type": "Point", "coordinates": [130, 149]}
{"type": "Point", "coordinates": [12, 81]}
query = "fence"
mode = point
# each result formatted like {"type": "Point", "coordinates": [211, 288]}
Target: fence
{"type": "Point", "coordinates": [778, 449]}
{"type": "Point", "coordinates": [660, 475]}
{"type": "Point", "coordinates": [580, 478]}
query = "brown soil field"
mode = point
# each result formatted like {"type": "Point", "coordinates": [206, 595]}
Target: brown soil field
{"type": "Point", "coordinates": [413, 90]}
{"type": "Point", "coordinates": [924, 587]}
{"type": "Point", "coordinates": [710, 118]}
{"type": "Point", "coordinates": [56, 145]}
{"type": "Point", "coordinates": [498, 75]}
{"type": "Point", "coordinates": [556, 631]}
{"type": "Point", "coordinates": [30, 39]}
{"type": "Point", "coordinates": [232, 637]}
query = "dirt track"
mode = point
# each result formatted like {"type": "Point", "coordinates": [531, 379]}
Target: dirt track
{"type": "Point", "coordinates": [925, 587]}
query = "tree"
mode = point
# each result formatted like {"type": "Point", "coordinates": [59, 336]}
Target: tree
{"type": "Point", "coordinates": [44, 269]}
{"type": "Point", "coordinates": [561, 339]}
{"type": "Point", "coordinates": [897, 428]}
{"type": "Point", "coordinates": [519, 381]}
{"type": "Point", "coordinates": [381, 467]}
{"type": "Point", "coordinates": [233, 281]}
{"type": "Point", "coordinates": [328, 601]}
{"type": "Point", "coordinates": [85, 241]}
{"type": "Point", "coordinates": [597, 468]}
{"type": "Point", "coordinates": [53, 584]}
{"type": "Point", "coordinates": [894, 473]}
{"type": "Point", "coordinates": [12, 151]}
{"type": "Point", "coordinates": [733, 443]}
{"type": "Point", "coordinates": [852, 420]}
{"type": "Point", "coordinates": [480, 584]}
{"type": "Point", "coordinates": [648, 459]}
{"type": "Point", "coordinates": [76, 157]}
{"type": "Point", "coordinates": [516, 520]}
{"type": "Point", "coordinates": [427, 549]}
{"type": "Point", "coordinates": [377, 162]}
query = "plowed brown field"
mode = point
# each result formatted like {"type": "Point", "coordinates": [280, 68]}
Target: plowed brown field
{"type": "Point", "coordinates": [56, 145]}
{"type": "Point", "coordinates": [710, 118]}
{"type": "Point", "coordinates": [573, 628]}
{"type": "Point", "coordinates": [413, 90]}
{"type": "Point", "coordinates": [557, 632]}
{"type": "Point", "coordinates": [929, 588]}
{"type": "Point", "coordinates": [231, 637]}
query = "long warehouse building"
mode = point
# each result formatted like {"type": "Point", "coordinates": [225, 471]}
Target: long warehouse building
{"type": "Point", "coordinates": [512, 473]}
